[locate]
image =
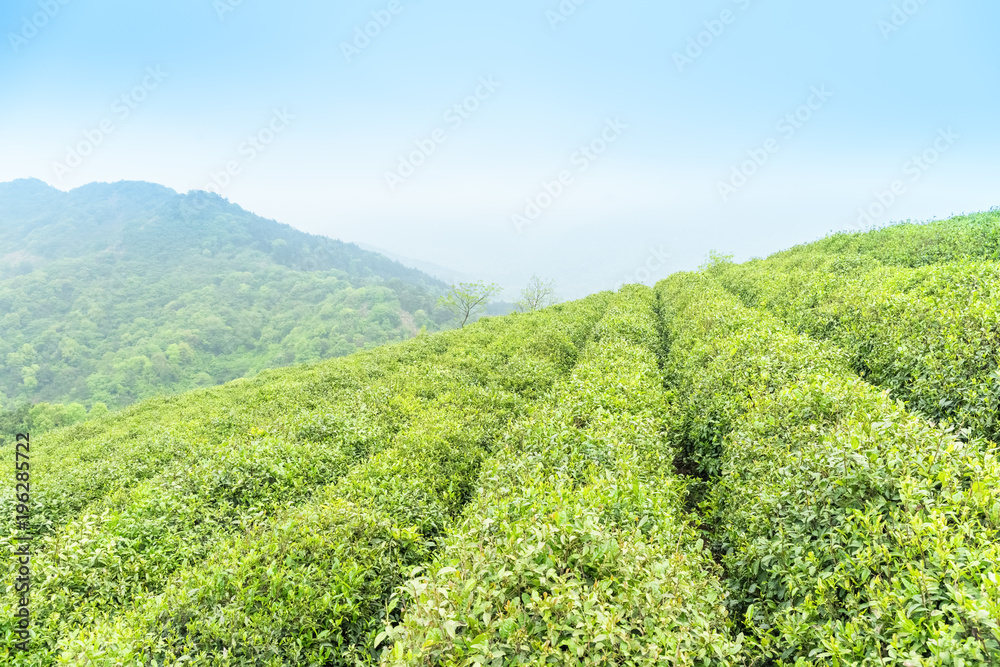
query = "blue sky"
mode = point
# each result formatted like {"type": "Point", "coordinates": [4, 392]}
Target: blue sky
{"type": "Point", "coordinates": [667, 98]}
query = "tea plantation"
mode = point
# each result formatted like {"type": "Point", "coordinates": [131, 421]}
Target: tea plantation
{"type": "Point", "coordinates": [789, 461]}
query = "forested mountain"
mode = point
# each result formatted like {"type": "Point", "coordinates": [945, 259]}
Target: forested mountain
{"type": "Point", "coordinates": [115, 292]}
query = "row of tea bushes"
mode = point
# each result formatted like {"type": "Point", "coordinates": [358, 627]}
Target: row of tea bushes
{"type": "Point", "coordinates": [129, 544]}
{"type": "Point", "coordinates": [308, 585]}
{"type": "Point", "coordinates": [851, 531]}
{"type": "Point", "coordinates": [930, 335]}
{"type": "Point", "coordinates": [74, 467]}
{"type": "Point", "coordinates": [575, 550]}
{"type": "Point", "coordinates": [77, 466]}
{"type": "Point", "coordinates": [311, 586]}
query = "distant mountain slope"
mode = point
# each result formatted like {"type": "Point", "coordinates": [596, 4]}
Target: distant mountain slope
{"type": "Point", "coordinates": [115, 292]}
{"type": "Point", "coordinates": [46, 224]}
{"type": "Point", "coordinates": [436, 270]}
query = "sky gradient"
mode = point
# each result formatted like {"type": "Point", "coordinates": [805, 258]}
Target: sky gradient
{"type": "Point", "coordinates": [586, 141]}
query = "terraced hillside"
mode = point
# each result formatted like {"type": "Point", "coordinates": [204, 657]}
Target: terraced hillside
{"type": "Point", "coordinates": [786, 462]}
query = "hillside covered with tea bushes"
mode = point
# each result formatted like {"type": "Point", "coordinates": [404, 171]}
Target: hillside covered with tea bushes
{"type": "Point", "coordinates": [927, 331]}
{"type": "Point", "coordinates": [790, 462]}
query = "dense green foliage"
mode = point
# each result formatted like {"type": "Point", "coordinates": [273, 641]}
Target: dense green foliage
{"type": "Point", "coordinates": [973, 237]}
{"type": "Point", "coordinates": [931, 334]}
{"type": "Point", "coordinates": [348, 434]}
{"type": "Point", "coordinates": [117, 292]}
{"type": "Point", "coordinates": [783, 463]}
{"type": "Point", "coordinates": [576, 550]}
{"type": "Point", "coordinates": [851, 531]}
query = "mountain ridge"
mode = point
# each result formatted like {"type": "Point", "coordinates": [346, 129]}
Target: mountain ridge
{"type": "Point", "coordinates": [136, 199]}
{"type": "Point", "coordinates": [112, 292]}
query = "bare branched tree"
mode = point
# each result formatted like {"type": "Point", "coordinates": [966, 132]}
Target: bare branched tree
{"type": "Point", "coordinates": [537, 295]}
{"type": "Point", "coordinates": [466, 300]}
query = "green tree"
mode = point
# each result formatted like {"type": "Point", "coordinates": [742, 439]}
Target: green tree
{"type": "Point", "coordinates": [715, 258]}
{"type": "Point", "coordinates": [47, 416]}
{"type": "Point", "coordinates": [29, 380]}
{"type": "Point", "coordinates": [12, 422]}
{"type": "Point", "coordinates": [466, 300]}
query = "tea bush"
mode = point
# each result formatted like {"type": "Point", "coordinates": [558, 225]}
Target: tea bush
{"type": "Point", "coordinates": [851, 531]}
{"type": "Point", "coordinates": [575, 550]}
{"type": "Point", "coordinates": [930, 335]}
{"type": "Point", "coordinates": [964, 237]}
{"type": "Point", "coordinates": [446, 405]}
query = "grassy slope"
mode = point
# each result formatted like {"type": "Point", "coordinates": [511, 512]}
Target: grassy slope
{"type": "Point", "coordinates": [975, 236]}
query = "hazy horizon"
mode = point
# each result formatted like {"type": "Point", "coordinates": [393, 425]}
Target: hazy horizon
{"type": "Point", "coordinates": [295, 114]}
